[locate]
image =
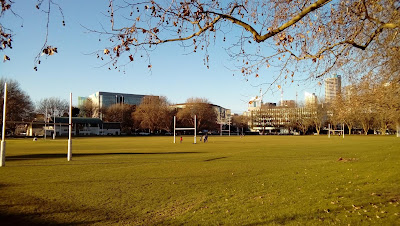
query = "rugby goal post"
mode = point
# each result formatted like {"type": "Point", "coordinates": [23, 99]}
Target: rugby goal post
{"type": "Point", "coordinates": [194, 128]}
{"type": "Point", "coordinates": [333, 130]}
{"type": "Point", "coordinates": [3, 131]}
{"type": "Point", "coordinates": [225, 130]}
{"type": "Point", "coordinates": [69, 153]}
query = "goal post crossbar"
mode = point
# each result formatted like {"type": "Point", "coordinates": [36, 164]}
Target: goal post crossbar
{"type": "Point", "coordinates": [334, 130]}
{"type": "Point", "coordinates": [185, 128]}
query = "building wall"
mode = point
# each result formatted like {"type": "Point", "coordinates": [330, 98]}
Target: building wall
{"type": "Point", "coordinates": [105, 99]}
{"type": "Point", "coordinates": [332, 88]}
{"type": "Point", "coordinates": [269, 119]}
{"type": "Point", "coordinates": [81, 101]}
{"type": "Point", "coordinates": [310, 99]}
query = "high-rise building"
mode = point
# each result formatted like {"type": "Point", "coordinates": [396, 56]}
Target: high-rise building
{"type": "Point", "coordinates": [310, 99]}
{"type": "Point", "coordinates": [333, 86]}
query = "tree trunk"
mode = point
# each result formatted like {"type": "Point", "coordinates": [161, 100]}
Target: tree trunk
{"type": "Point", "coordinates": [383, 129]}
{"type": "Point", "coordinates": [318, 128]}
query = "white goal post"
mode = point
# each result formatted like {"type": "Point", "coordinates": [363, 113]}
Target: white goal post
{"type": "Point", "coordinates": [194, 128]}
{"type": "Point", "coordinates": [339, 130]}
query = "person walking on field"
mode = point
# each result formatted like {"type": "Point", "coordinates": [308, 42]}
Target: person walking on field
{"type": "Point", "coordinates": [181, 140]}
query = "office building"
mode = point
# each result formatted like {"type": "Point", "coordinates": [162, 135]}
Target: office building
{"type": "Point", "coordinates": [333, 86]}
{"type": "Point", "coordinates": [310, 99]}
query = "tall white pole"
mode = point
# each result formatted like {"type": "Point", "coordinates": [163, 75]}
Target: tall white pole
{"type": "Point", "coordinates": [45, 125]}
{"type": "Point", "coordinates": [329, 130]}
{"type": "Point", "coordinates": [195, 126]}
{"type": "Point", "coordinates": [229, 126]}
{"type": "Point", "coordinates": [54, 125]}
{"type": "Point", "coordinates": [343, 129]}
{"type": "Point", "coordinates": [69, 156]}
{"type": "Point", "coordinates": [3, 133]}
{"type": "Point", "coordinates": [174, 129]}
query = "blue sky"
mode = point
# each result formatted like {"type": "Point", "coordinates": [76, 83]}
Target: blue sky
{"type": "Point", "coordinates": [175, 73]}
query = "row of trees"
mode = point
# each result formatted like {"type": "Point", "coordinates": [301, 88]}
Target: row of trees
{"type": "Point", "coordinates": [156, 114]}
{"type": "Point", "coordinates": [367, 105]}
{"type": "Point", "coordinates": [21, 108]}
{"type": "Point", "coordinates": [153, 114]}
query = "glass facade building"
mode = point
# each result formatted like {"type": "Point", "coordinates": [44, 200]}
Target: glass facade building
{"type": "Point", "coordinates": [103, 100]}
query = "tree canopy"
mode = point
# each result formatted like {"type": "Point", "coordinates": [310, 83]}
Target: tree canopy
{"type": "Point", "coordinates": [206, 116]}
{"type": "Point", "coordinates": [52, 107]}
{"type": "Point", "coordinates": [154, 113]}
{"type": "Point", "coordinates": [19, 104]}
{"type": "Point", "coordinates": [120, 113]}
{"type": "Point", "coordinates": [304, 37]}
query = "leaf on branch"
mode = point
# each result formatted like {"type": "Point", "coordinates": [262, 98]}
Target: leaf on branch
{"type": "Point", "coordinates": [6, 58]}
{"type": "Point", "coordinates": [49, 50]}
{"type": "Point", "coordinates": [131, 57]}
{"type": "Point", "coordinates": [279, 86]}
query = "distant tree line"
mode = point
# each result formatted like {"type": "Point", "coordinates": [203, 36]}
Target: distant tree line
{"type": "Point", "coordinates": [365, 106]}
{"type": "Point", "coordinates": [369, 105]}
{"type": "Point", "coordinates": [155, 114]}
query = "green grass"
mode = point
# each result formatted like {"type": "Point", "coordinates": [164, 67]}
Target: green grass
{"type": "Point", "coordinates": [253, 180]}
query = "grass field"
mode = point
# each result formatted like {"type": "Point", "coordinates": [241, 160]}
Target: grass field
{"type": "Point", "coordinates": [254, 180]}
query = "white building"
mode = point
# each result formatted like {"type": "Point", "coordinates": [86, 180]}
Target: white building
{"type": "Point", "coordinates": [310, 99]}
{"type": "Point", "coordinates": [332, 88]}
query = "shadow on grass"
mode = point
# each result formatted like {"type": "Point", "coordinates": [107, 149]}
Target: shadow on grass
{"type": "Point", "coordinates": [61, 155]}
{"type": "Point", "coordinates": [213, 159]}
{"type": "Point", "coordinates": [36, 211]}
{"type": "Point", "coordinates": [35, 219]}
